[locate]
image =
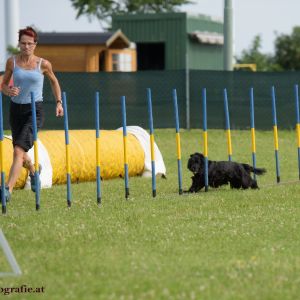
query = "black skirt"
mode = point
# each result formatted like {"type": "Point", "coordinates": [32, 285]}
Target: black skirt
{"type": "Point", "coordinates": [20, 120]}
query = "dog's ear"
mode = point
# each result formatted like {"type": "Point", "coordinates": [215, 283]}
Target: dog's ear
{"type": "Point", "coordinates": [201, 157]}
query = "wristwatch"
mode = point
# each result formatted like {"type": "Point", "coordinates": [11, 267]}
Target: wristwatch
{"type": "Point", "coordinates": [58, 101]}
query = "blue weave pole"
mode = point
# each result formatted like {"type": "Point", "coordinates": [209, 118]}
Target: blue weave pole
{"type": "Point", "coordinates": [227, 126]}
{"type": "Point", "coordinates": [297, 124]}
{"type": "Point", "coordinates": [205, 138]}
{"type": "Point", "coordinates": [126, 176]}
{"type": "Point", "coordinates": [3, 199]}
{"type": "Point", "coordinates": [67, 142]}
{"type": "Point", "coordinates": [252, 126]}
{"type": "Point", "coordinates": [275, 134]}
{"type": "Point", "coordinates": [36, 159]}
{"type": "Point", "coordinates": [178, 147]}
{"type": "Point", "coordinates": [98, 166]}
{"type": "Point", "coordinates": [151, 141]}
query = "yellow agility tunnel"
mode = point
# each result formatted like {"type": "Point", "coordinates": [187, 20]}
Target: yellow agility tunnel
{"type": "Point", "coordinates": [82, 147]}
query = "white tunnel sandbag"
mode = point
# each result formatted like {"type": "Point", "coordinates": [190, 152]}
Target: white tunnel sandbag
{"type": "Point", "coordinates": [44, 161]}
{"type": "Point", "coordinates": [144, 138]}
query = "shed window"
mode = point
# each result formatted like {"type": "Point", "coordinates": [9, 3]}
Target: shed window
{"type": "Point", "coordinates": [121, 62]}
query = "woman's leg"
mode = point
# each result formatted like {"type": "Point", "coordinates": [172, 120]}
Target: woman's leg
{"type": "Point", "coordinates": [28, 163]}
{"type": "Point", "coordinates": [15, 169]}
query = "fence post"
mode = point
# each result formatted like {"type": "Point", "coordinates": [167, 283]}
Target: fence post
{"type": "Point", "coordinates": [187, 91]}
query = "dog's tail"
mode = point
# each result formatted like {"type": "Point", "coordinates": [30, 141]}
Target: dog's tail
{"type": "Point", "coordinates": [257, 171]}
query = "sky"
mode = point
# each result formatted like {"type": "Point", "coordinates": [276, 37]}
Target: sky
{"type": "Point", "coordinates": [251, 18]}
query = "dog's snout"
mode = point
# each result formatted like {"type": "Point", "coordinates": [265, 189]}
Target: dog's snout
{"type": "Point", "coordinates": [193, 168]}
{"type": "Point", "coordinates": [190, 167]}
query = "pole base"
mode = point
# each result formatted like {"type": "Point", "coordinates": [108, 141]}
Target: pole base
{"type": "Point", "coordinates": [37, 207]}
{"type": "Point", "coordinates": [206, 189]}
{"type": "Point", "coordinates": [154, 193]}
{"type": "Point", "coordinates": [3, 210]}
{"type": "Point", "coordinates": [99, 201]}
{"type": "Point", "coordinates": [69, 203]}
{"type": "Point", "coordinates": [180, 191]}
{"type": "Point", "coordinates": [278, 179]}
{"type": "Point", "coordinates": [126, 192]}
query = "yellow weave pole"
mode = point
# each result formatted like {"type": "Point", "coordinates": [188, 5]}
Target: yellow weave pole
{"type": "Point", "coordinates": [178, 147]}
{"type": "Point", "coordinates": [276, 147]}
{"type": "Point", "coordinates": [3, 199]}
{"type": "Point", "coordinates": [151, 142]}
{"type": "Point", "coordinates": [98, 168]}
{"type": "Point", "coordinates": [227, 124]}
{"type": "Point", "coordinates": [36, 155]}
{"type": "Point", "coordinates": [68, 161]}
{"type": "Point", "coordinates": [205, 139]}
{"type": "Point", "coordinates": [253, 141]}
{"type": "Point", "coordinates": [126, 176]}
{"type": "Point", "coordinates": [297, 125]}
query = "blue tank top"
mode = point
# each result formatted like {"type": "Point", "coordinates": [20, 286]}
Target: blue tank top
{"type": "Point", "coordinates": [28, 81]}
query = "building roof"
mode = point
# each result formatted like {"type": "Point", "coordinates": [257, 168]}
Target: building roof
{"type": "Point", "coordinates": [83, 38]}
{"type": "Point", "coordinates": [205, 37]}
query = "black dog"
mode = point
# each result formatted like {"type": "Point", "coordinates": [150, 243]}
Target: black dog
{"type": "Point", "coordinates": [238, 175]}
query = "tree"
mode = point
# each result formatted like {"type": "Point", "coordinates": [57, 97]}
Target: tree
{"type": "Point", "coordinates": [287, 50]}
{"type": "Point", "coordinates": [104, 9]}
{"type": "Point", "coordinates": [264, 62]}
{"type": "Point", "coordinates": [13, 50]}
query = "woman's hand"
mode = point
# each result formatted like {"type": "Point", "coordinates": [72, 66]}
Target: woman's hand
{"type": "Point", "coordinates": [13, 91]}
{"type": "Point", "coordinates": [59, 109]}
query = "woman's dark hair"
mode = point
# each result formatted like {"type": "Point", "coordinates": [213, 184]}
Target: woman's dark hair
{"type": "Point", "coordinates": [28, 31]}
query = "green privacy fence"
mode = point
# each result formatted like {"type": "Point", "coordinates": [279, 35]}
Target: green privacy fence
{"type": "Point", "coordinates": [238, 88]}
{"type": "Point", "coordinates": [81, 87]}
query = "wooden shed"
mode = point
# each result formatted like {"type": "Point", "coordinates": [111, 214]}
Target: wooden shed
{"type": "Point", "coordinates": [87, 52]}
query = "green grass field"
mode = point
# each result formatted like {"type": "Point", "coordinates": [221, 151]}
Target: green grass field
{"type": "Point", "coordinates": [223, 244]}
